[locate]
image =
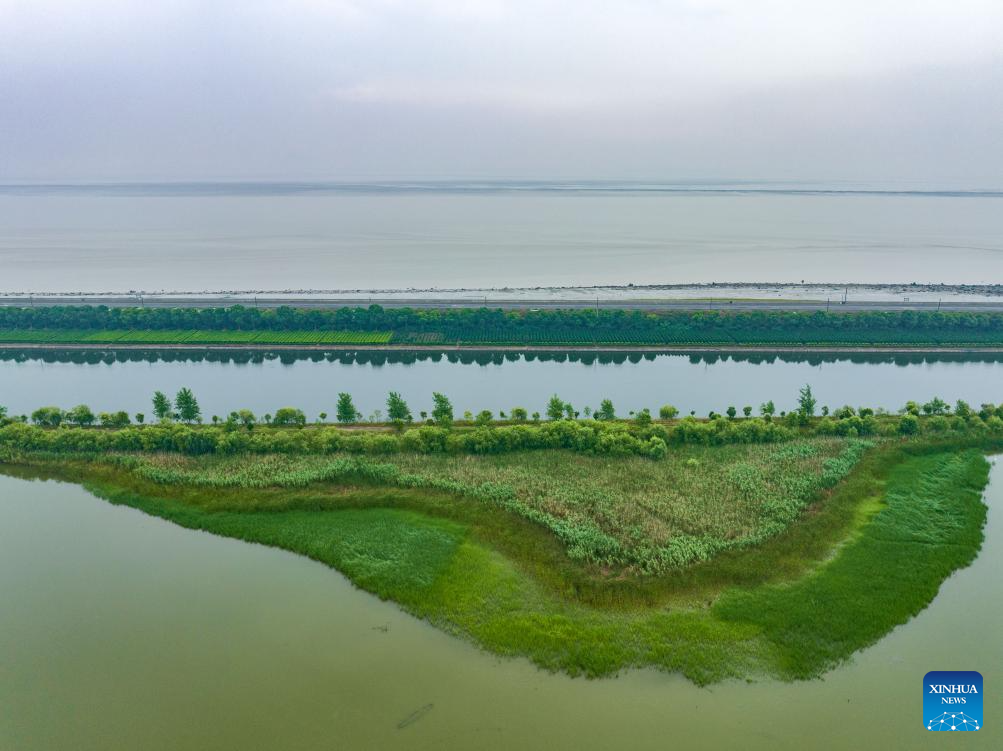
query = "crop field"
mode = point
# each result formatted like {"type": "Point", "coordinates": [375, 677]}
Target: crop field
{"type": "Point", "coordinates": [606, 510]}
{"type": "Point", "coordinates": [191, 336]}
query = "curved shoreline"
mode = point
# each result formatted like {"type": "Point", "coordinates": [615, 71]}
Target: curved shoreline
{"type": "Point", "coordinates": [790, 626]}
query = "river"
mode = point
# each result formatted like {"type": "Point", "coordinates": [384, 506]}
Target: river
{"type": "Point", "coordinates": [311, 381]}
{"type": "Point", "coordinates": [121, 631]}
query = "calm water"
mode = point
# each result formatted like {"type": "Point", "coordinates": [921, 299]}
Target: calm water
{"type": "Point", "coordinates": [341, 237]}
{"type": "Point", "coordinates": [121, 631]}
{"type": "Point", "coordinates": [484, 381]}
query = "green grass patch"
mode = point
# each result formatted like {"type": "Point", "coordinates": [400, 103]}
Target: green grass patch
{"type": "Point", "coordinates": [189, 336]}
{"type": "Point", "coordinates": [615, 511]}
{"type": "Point", "coordinates": [863, 558]}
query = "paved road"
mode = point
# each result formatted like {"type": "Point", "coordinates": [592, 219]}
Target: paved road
{"type": "Point", "coordinates": [852, 306]}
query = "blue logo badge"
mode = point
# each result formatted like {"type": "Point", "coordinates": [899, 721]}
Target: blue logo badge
{"type": "Point", "coordinates": [952, 700]}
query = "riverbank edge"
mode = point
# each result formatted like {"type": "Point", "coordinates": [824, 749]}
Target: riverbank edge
{"type": "Point", "coordinates": [625, 349]}
{"type": "Point", "coordinates": [697, 641]}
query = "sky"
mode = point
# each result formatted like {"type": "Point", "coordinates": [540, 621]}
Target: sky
{"type": "Point", "coordinates": [849, 90]}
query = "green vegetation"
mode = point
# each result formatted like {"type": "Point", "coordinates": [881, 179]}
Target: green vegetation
{"type": "Point", "coordinates": [907, 516]}
{"type": "Point", "coordinates": [704, 546]}
{"type": "Point", "coordinates": [189, 336]}
{"type": "Point", "coordinates": [617, 512]}
{"type": "Point", "coordinates": [375, 325]}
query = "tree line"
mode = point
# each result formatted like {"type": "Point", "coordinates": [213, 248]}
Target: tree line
{"type": "Point", "coordinates": [604, 324]}
{"type": "Point", "coordinates": [603, 431]}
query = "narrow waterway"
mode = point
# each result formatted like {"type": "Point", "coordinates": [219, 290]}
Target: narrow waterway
{"type": "Point", "coordinates": [474, 381]}
{"type": "Point", "coordinates": [121, 631]}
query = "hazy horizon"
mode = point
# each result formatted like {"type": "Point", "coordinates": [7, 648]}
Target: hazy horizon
{"type": "Point", "coordinates": [335, 90]}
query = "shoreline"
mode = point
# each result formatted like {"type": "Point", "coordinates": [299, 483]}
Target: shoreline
{"type": "Point", "coordinates": [762, 290]}
{"type": "Point", "coordinates": [626, 349]}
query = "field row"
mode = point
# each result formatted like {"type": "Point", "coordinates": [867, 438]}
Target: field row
{"type": "Point", "coordinates": [487, 336]}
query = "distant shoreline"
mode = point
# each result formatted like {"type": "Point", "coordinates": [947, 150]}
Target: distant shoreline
{"type": "Point", "coordinates": [626, 349]}
{"type": "Point", "coordinates": [682, 291]}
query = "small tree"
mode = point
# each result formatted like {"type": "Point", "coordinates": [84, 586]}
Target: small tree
{"type": "Point", "coordinates": [322, 417]}
{"type": "Point", "coordinates": [732, 413]}
{"type": "Point", "coordinates": [161, 406]}
{"type": "Point", "coordinates": [606, 410]}
{"type": "Point", "coordinates": [643, 418]}
{"type": "Point", "coordinates": [397, 410]}
{"type": "Point", "coordinates": [747, 411]}
{"type": "Point", "coordinates": [188, 406]}
{"type": "Point", "coordinates": [442, 410]}
{"type": "Point", "coordinates": [80, 415]}
{"type": "Point", "coordinates": [667, 412]}
{"type": "Point", "coordinates": [519, 414]}
{"type": "Point", "coordinates": [555, 408]}
{"type": "Point", "coordinates": [484, 417]}
{"type": "Point", "coordinates": [536, 417]}
{"type": "Point", "coordinates": [346, 411]}
{"type": "Point", "coordinates": [768, 409]}
{"type": "Point", "coordinates": [118, 419]}
{"type": "Point", "coordinates": [909, 424]}
{"type": "Point", "coordinates": [806, 402]}
{"type": "Point", "coordinates": [140, 418]}
{"type": "Point", "coordinates": [49, 417]}
{"type": "Point", "coordinates": [935, 406]}
{"type": "Point", "coordinates": [569, 411]}
{"type": "Point", "coordinates": [289, 416]}
{"type": "Point", "coordinates": [247, 419]}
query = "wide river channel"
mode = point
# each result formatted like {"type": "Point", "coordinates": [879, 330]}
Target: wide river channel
{"type": "Point", "coordinates": [122, 631]}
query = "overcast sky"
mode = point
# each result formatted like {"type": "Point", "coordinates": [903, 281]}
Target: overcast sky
{"type": "Point", "coordinates": [618, 89]}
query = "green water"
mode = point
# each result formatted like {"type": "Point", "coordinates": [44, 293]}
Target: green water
{"type": "Point", "coordinates": [121, 631]}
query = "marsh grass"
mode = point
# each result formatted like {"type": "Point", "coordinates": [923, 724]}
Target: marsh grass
{"type": "Point", "coordinates": [613, 511]}
{"type": "Point", "coordinates": [790, 607]}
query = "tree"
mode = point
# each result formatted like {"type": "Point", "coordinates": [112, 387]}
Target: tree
{"type": "Point", "coordinates": [667, 412]}
{"type": "Point", "coordinates": [643, 418]}
{"type": "Point", "coordinates": [49, 417]}
{"type": "Point", "coordinates": [731, 412]}
{"type": "Point", "coordinates": [747, 411]}
{"type": "Point", "coordinates": [909, 424]}
{"type": "Point", "coordinates": [161, 406]}
{"type": "Point", "coordinates": [187, 406]}
{"type": "Point", "coordinates": [519, 414]}
{"type": "Point", "coordinates": [484, 417]}
{"type": "Point", "coordinates": [555, 408]}
{"type": "Point", "coordinates": [606, 410]}
{"type": "Point", "coordinates": [767, 409]}
{"type": "Point", "coordinates": [806, 402]}
{"type": "Point", "coordinates": [935, 406]}
{"type": "Point", "coordinates": [397, 410]}
{"type": "Point", "coordinates": [569, 411]}
{"type": "Point", "coordinates": [140, 418]}
{"type": "Point", "coordinates": [346, 411]}
{"type": "Point", "coordinates": [247, 419]}
{"type": "Point", "coordinates": [322, 417]}
{"type": "Point", "coordinates": [289, 416]}
{"type": "Point", "coordinates": [442, 411]}
{"type": "Point", "coordinates": [80, 415]}
{"type": "Point", "coordinates": [118, 419]}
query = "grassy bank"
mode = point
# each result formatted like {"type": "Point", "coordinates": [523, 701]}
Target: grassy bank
{"type": "Point", "coordinates": [907, 515]}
